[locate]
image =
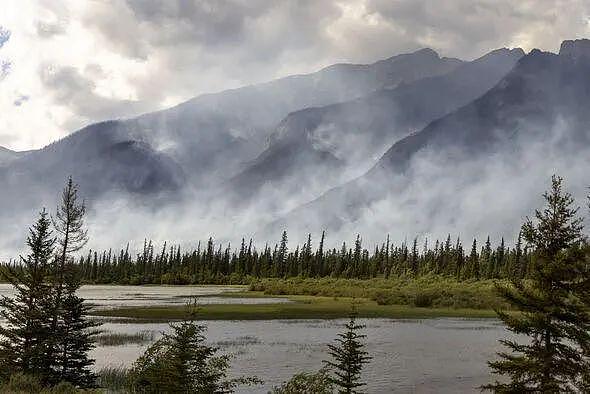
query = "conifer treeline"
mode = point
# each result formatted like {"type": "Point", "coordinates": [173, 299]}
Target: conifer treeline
{"type": "Point", "coordinates": [220, 264]}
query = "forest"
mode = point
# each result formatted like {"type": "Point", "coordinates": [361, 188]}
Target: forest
{"type": "Point", "coordinates": [544, 282]}
{"type": "Point", "coordinates": [220, 264]}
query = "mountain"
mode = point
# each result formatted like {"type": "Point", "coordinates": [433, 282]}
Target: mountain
{"type": "Point", "coordinates": [7, 155]}
{"type": "Point", "coordinates": [316, 148]}
{"type": "Point", "coordinates": [532, 123]}
{"type": "Point", "coordinates": [204, 140]}
{"type": "Point", "coordinates": [212, 136]}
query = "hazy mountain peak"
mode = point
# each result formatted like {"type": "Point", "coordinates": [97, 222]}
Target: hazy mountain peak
{"type": "Point", "coordinates": [8, 155]}
{"type": "Point", "coordinates": [424, 52]}
{"type": "Point", "coordinates": [503, 52]}
{"type": "Point", "coordinates": [575, 48]}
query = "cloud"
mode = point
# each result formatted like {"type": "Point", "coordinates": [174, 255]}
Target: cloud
{"type": "Point", "coordinates": [76, 90]}
{"type": "Point", "coordinates": [142, 55]}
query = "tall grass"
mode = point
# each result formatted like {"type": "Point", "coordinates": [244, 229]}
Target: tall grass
{"type": "Point", "coordinates": [429, 291]}
{"type": "Point", "coordinates": [120, 339]}
{"type": "Point", "coordinates": [113, 379]}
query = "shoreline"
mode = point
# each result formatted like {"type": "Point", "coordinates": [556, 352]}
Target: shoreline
{"type": "Point", "coordinates": [301, 307]}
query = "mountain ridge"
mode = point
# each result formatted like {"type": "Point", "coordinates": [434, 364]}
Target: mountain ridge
{"type": "Point", "coordinates": [541, 90]}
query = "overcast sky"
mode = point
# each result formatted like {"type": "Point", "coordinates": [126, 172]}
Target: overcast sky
{"type": "Point", "coordinates": [64, 64]}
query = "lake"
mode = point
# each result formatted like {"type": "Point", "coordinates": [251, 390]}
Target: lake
{"type": "Point", "coordinates": [409, 356]}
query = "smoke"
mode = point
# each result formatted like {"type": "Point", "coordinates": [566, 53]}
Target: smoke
{"type": "Point", "coordinates": [449, 192]}
{"type": "Point", "coordinates": [444, 192]}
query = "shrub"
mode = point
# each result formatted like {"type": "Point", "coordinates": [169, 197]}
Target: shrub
{"type": "Point", "coordinates": [307, 383]}
{"type": "Point", "coordinates": [424, 300]}
{"type": "Point", "coordinates": [181, 362]}
{"type": "Point", "coordinates": [28, 384]}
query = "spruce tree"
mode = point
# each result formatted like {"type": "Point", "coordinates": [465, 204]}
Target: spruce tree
{"type": "Point", "coordinates": [282, 256]}
{"type": "Point", "coordinates": [182, 362]}
{"type": "Point", "coordinates": [348, 358]}
{"type": "Point", "coordinates": [552, 305]}
{"type": "Point", "coordinates": [76, 340]}
{"type": "Point", "coordinates": [73, 334]}
{"type": "Point", "coordinates": [26, 334]}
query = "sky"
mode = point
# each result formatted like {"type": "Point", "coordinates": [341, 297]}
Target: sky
{"type": "Point", "coordinates": [68, 63]}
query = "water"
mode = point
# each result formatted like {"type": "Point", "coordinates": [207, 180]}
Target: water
{"type": "Point", "coordinates": [409, 356]}
{"type": "Point", "coordinates": [108, 297]}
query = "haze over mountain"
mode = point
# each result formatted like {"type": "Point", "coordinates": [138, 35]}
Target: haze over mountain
{"type": "Point", "coordinates": [416, 141]}
{"type": "Point", "coordinates": [197, 144]}
{"type": "Point", "coordinates": [7, 155]}
{"type": "Point", "coordinates": [207, 138]}
{"type": "Point", "coordinates": [491, 155]}
{"type": "Point", "coordinates": [315, 148]}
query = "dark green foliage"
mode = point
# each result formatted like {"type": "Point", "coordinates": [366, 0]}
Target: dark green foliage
{"type": "Point", "coordinates": [26, 336]}
{"type": "Point", "coordinates": [73, 332]}
{"type": "Point", "coordinates": [47, 334]}
{"type": "Point", "coordinates": [307, 383]}
{"type": "Point", "coordinates": [181, 362]}
{"type": "Point", "coordinates": [348, 358]}
{"type": "Point", "coordinates": [553, 303]}
{"type": "Point", "coordinates": [75, 338]}
{"type": "Point", "coordinates": [20, 383]}
{"type": "Point", "coordinates": [218, 264]}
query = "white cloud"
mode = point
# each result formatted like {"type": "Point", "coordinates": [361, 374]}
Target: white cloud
{"type": "Point", "coordinates": [80, 62]}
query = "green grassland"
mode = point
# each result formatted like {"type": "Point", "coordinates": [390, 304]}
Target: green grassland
{"type": "Point", "coordinates": [327, 298]}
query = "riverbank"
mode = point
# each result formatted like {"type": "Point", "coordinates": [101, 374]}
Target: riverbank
{"type": "Point", "coordinates": [300, 307]}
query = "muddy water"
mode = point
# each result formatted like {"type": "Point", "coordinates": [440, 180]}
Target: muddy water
{"type": "Point", "coordinates": [409, 356]}
{"type": "Point", "coordinates": [105, 296]}
{"type": "Point", "coordinates": [425, 356]}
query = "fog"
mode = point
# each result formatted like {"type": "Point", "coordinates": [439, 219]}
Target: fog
{"type": "Point", "coordinates": [443, 193]}
{"type": "Point", "coordinates": [171, 176]}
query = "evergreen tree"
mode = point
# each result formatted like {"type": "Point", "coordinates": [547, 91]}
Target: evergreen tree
{"type": "Point", "coordinates": [76, 337]}
{"type": "Point", "coordinates": [281, 260]}
{"type": "Point", "coordinates": [182, 362]}
{"type": "Point", "coordinates": [552, 304]}
{"type": "Point", "coordinates": [26, 334]}
{"type": "Point", "coordinates": [73, 337]}
{"type": "Point", "coordinates": [69, 225]}
{"type": "Point", "coordinates": [473, 262]}
{"type": "Point", "coordinates": [348, 358]}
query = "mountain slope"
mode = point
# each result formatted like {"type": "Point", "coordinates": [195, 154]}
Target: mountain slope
{"type": "Point", "coordinates": [164, 156]}
{"type": "Point", "coordinates": [8, 155]}
{"type": "Point", "coordinates": [354, 133]}
{"type": "Point", "coordinates": [212, 136]}
{"type": "Point", "coordinates": [535, 119]}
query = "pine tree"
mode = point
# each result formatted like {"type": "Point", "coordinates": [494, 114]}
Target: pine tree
{"type": "Point", "coordinates": [26, 334]}
{"type": "Point", "coordinates": [282, 256]}
{"type": "Point", "coordinates": [72, 335]}
{"type": "Point", "coordinates": [348, 358]}
{"type": "Point", "coordinates": [76, 337]}
{"type": "Point", "coordinates": [552, 305]}
{"type": "Point", "coordinates": [69, 225]}
{"type": "Point", "coordinates": [473, 262]}
{"type": "Point", "coordinates": [182, 362]}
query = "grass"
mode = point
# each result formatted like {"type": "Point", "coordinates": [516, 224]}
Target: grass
{"type": "Point", "coordinates": [330, 298]}
{"type": "Point", "coordinates": [113, 379]}
{"type": "Point", "coordinates": [119, 339]}
{"type": "Point", "coordinates": [239, 341]}
{"type": "Point", "coordinates": [302, 307]}
{"type": "Point", "coordinates": [428, 291]}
